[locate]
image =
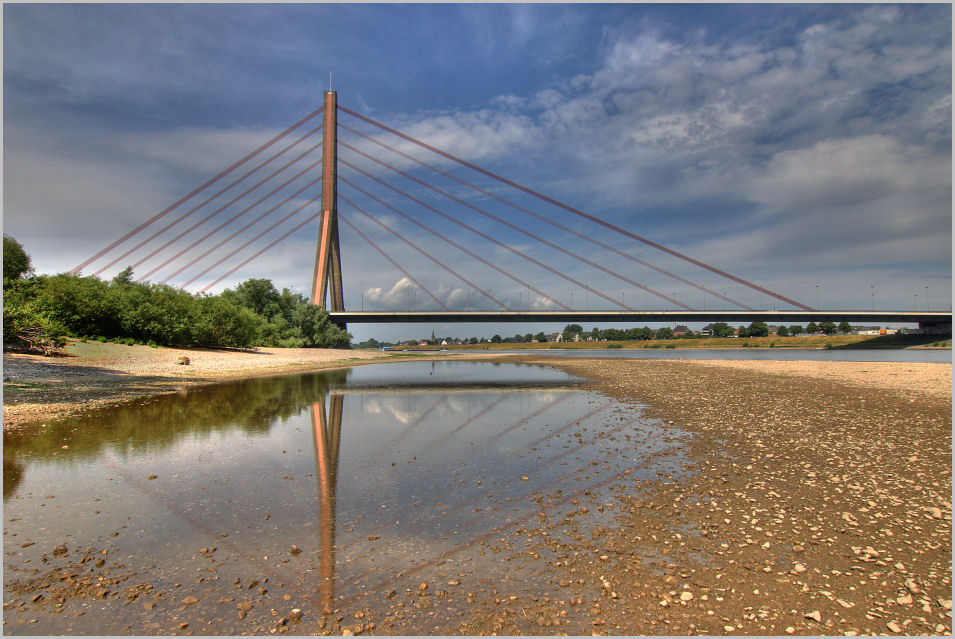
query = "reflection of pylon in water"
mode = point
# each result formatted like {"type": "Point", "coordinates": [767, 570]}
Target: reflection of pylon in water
{"type": "Point", "coordinates": [326, 432]}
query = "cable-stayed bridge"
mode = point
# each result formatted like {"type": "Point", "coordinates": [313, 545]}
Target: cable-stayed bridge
{"type": "Point", "coordinates": [460, 239]}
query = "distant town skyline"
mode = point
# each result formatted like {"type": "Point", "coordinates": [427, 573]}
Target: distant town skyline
{"type": "Point", "coordinates": [806, 148]}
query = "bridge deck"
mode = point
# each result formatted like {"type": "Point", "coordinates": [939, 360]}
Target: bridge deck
{"type": "Point", "coordinates": [620, 317]}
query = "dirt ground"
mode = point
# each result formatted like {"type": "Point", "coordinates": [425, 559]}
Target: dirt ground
{"type": "Point", "coordinates": [816, 498]}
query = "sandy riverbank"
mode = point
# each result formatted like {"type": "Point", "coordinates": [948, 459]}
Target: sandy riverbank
{"type": "Point", "coordinates": [817, 499]}
{"type": "Point", "coordinates": [818, 503]}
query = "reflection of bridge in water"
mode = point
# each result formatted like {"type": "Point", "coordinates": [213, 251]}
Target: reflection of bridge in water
{"type": "Point", "coordinates": [326, 435]}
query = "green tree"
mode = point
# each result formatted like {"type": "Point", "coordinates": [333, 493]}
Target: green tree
{"type": "Point", "coordinates": [496, 339]}
{"type": "Point", "coordinates": [258, 295]}
{"type": "Point", "coordinates": [570, 330]}
{"type": "Point", "coordinates": [811, 328]}
{"type": "Point", "coordinates": [741, 332]}
{"type": "Point", "coordinates": [782, 331]}
{"type": "Point", "coordinates": [219, 322]}
{"type": "Point", "coordinates": [24, 326]}
{"type": "Point", "coordinates": [123, 277]}
{"type": "Point", "coordinates": [595, 334]}
{"type": "Point", "coordinates": [664, 333]}
{"type": "Point", "coordinates": [16, 262]}
{"type": "Point", "coordinates": [80, 305]}
{"type": "Point", "coordinates": [540, 337]}
{"type": "Point", "coordinates": [795, 329]}
{"type": "Point", "coordinates": [827, 327]}
{"type": "Point", "coordinates": [757, 329]}
{"type": "Point", "coordinates": [722, 329]}
{"type": "Point", "coordinates": [845, 327]}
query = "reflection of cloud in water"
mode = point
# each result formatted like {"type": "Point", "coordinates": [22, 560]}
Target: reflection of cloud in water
{"type": "Point", "coordinates": [395, 405]}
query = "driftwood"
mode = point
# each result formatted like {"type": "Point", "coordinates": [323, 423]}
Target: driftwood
{"type": "Point", "coordinates": [36, 339]}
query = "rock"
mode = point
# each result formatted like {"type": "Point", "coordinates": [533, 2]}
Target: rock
{"type": "Point", "coordinates": [815, 615]}
{"type": "Point", "coordinates": [799, 568]}
{"type": "Point", "coordinates": [904, 600]}
{"type": "Point", "coordinates": [686, 595]}
{"type": "Point", "coordinates": [295, 615]}
{"type": "Point", "coordinates": [183, 361]}
{"type": "Point", "coordinates": [60, 550]}
{"type": "Point", "coordinates": [190, 600]}
{"type": "Point", "coordinates": [894, 626]}
{"type": "Point", "coordinates": [945, 603]}
{"type": "Point", "coordinates": [790, 630]}
{"type": "Point", "coordinates": [295, 551]}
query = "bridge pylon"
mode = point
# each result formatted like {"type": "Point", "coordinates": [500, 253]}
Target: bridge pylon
{"type": "Point", "coordinates": [328, 265]}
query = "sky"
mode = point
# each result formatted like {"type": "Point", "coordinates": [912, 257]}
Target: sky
{"type": "Point", "coordinates": [804, 148]}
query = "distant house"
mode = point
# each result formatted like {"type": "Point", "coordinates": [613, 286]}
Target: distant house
{"type": "Point", "coordinates": [679, 330]}
{"type": "Point", "coordinates": [707, 331]}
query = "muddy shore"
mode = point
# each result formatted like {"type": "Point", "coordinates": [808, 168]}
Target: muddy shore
{"type": "Point", "coordinates": [817, 498]}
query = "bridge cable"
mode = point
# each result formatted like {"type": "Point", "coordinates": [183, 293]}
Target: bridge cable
{"type": "Point", "coordinates": [426, 254]}
{"type": "Point", "coordinates": [485, 235]}
{"type": "Point", "coordinates": [546, 219]}
{"type": "Point", "coordinates": [195, 191]}
{"type": "Point", "coordinates": [227, 222]}
{"type": "Point", "coordinates": [249, 224]}
{"type": "Point", "coordinates": [454, 244]}
{"type": "Point", "coordinates": [254, 238]}
{"type": "Point", "coordinates": [575, 211]}
{"type": "Point", "coordinates": [221, 208]}
{"type": "Point", "coordinates": [388, 257]}
{"type": "Point", "coordinates": [516, 228]}
{"type": "Point", "coordinates": [263, 250]}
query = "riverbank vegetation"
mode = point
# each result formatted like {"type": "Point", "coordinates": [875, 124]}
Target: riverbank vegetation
{"type": "Point", "coordinates": [39, 311]}
{"type": "Point", "coordinates": [715, 343]}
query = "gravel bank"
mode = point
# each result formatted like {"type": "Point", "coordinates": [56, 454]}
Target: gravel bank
{"type": "Point", "coordinates": [818, 503]}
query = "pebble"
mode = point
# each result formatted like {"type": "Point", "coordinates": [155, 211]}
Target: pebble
{"type": "Point", "coordinates": [815, 615]}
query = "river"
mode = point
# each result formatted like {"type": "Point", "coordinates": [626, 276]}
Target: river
{"type": "Point", "coordinates": [270, 504]}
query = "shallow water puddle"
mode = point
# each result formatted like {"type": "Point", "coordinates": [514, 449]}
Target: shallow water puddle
{"type": "Point", "coordinates": [220, 511]}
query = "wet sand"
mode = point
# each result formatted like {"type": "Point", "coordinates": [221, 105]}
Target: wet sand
{"type": "Point", "coordinates": [817, 501]}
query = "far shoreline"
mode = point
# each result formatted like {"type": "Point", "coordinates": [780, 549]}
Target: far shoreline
{"type": "Point", "coordinates": [805, 342]}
